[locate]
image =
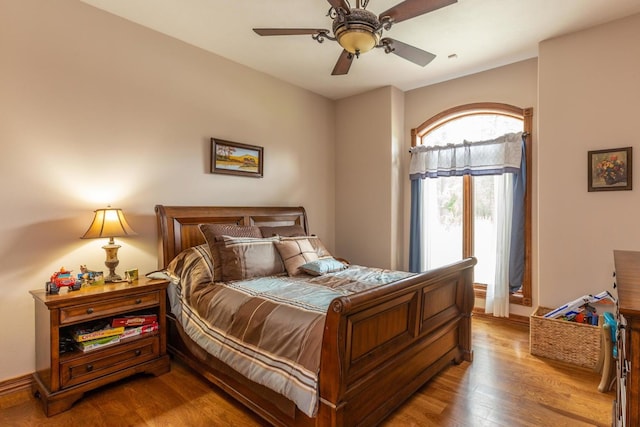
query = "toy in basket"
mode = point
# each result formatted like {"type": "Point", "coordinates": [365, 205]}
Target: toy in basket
{"type": "Point", "coordinates": [577, 342]}
{"type": "Point", "coordinates": [578, 305]}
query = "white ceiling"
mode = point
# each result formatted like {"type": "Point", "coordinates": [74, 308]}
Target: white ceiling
{"type": "Point", "coordinates": [483, 34]}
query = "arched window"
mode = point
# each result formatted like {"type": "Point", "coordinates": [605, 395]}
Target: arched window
{"type": "Point", "coordinates": [458, 211]}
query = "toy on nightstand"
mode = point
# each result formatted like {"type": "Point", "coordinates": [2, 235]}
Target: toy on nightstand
{"type": "Point", "coordinates": [90, 277]}
{"type": "Point", "coordinates": [61, 279]}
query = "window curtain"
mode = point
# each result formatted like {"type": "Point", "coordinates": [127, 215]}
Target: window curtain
{"type": "Point", "coordinates": [493, 157]}
{"type": "Point", "coordinates": [504, 155]}
{"type": "Point", "coordinates": [416, 236]}
{"type": "Point", "coordinates": [516, 256]}
{"type": "Point", "coordinates": [497, 298]}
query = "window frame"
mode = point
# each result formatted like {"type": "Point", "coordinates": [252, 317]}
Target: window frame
{"type": "Point", "coordinates": [524, 295]}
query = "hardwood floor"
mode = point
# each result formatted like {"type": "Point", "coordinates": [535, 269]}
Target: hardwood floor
{"type": "Point", "coordinates": [504, 386]}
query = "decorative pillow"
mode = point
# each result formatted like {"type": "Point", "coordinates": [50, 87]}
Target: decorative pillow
{"type": "Point", "coordinates": [190, 270]}
{"type": "Point", "coordinates": [183, 265]}
{"type": "Point", "coordinates": [295, 253]}
{"type": "Point", "coordinates": [213, 235]}
{"type": "Point", "coordinates": [283, 230]}
{"type": "Point", "coordinates": [164, 275]}
{"type": "Point", "coordinates": [244, 257]}
{"type": "Point", "coordinates": [323, 266]}
{"type": "Point", "coordinates": [315, 241]}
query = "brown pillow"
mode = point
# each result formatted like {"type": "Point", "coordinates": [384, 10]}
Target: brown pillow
{"type": "Point", "coordinates": [244, 258]}
{"type": "Point", "coordinates": [283, 230]}
{"type": "Point", "coordinates": [315, 241]}
{"type": "Point", "coordinates": [295, 253]}
{"type": "Point", "coordinates": [213, 235]}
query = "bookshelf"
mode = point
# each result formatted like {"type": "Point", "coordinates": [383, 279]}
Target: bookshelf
{"type": "Point", "coordinates": [63, 374]}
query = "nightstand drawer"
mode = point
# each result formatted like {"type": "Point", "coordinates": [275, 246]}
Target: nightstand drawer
{"type": "Point", "coordinates": [98, 309]}
{"type": "Point", "coordinates": [102, 362]}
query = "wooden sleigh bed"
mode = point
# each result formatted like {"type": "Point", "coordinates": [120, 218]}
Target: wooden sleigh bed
{"type": "Point", "coordinates": [378, 347]}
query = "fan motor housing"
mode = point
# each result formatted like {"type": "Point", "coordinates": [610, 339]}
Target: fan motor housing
{"type": "Point", "coordinates": [358, 31]}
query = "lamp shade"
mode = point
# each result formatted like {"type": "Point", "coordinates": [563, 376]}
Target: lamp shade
{"type": "Point", "coordinates": [108, 223]}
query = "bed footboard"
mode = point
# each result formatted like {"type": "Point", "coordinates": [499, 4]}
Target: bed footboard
{"type": "Point", "coordinates": [380, 346]}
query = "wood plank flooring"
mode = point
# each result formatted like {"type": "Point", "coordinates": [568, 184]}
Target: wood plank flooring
{"type": "Point", "coordinates": [504, 386]}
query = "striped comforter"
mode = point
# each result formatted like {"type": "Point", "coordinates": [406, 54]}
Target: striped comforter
{"type": "Point", "coordinates": [268, 328]}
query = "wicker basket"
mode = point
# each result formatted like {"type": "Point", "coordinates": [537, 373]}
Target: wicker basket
{"type": "Point", "coordinates": [558, 339]}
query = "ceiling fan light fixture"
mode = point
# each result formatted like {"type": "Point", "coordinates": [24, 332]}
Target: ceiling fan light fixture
{"type": "Point", "coordinates": [358, 32]}
{"type": "Point", "coordinates": [357, 40]}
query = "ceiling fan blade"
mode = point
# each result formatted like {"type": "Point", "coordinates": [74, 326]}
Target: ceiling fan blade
{"type": "Point", "coordinates": [411, 8]}
{"type": "Point", "coordinates": [340, 4]}
{"type": "Point", "coordinates": [287, 31]}
{"type": "Point", "coordinates": [343, 64]}
{"type": "Point", "coordinates": [408, 52]}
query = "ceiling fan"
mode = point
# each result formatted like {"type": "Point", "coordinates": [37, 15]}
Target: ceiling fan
{"type": "Point", "coordinates": [358, 30]}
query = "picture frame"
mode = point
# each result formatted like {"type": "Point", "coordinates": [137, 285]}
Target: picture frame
{"type": "Point", "coordinates": [131, 275]}
{"type": "Point", "coordinates": [234, 158]}
{"type": "Point", "coordinates": [610, 169]}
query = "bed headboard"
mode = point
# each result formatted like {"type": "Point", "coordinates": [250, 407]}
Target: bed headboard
{"type": "Point", "coordinates": [178, 225]}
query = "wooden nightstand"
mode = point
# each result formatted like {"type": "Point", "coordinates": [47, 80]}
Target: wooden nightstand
{"type": "Point", "coordinates": [61, 378]}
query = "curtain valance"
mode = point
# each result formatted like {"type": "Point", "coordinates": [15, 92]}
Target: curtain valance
{"type": "Point", "coordinates": [492, 157]}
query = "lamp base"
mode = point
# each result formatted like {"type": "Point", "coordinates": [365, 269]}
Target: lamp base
{"type": "Point", "coordinates": [112, 262]}
{"type": "Point", "coordinates": [113, 278]}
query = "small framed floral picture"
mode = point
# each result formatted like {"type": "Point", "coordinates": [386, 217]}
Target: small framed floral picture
{"type": "Point", "coordinates": [610, 170]}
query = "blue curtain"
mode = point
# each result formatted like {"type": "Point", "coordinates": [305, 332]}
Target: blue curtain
{"type": "Point", "coordinates": [415, 233]}
{"type": "Point", "coordinates": [516, 254]}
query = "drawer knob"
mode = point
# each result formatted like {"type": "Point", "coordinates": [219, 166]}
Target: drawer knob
{"type": "Point", "coordinates": [138, 301]}
{"type": "Point", "coordinates": [138, 352]}
{"type": "Point", "coordinates": [89, 310]}
{"type": "Point", "coordinates": [89, 368]}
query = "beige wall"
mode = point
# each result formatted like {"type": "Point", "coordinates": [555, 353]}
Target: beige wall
{"type": "Point", "coordinates": [368, 130]}
{"type": "Point", "coordinates": [589, 93]}
{"type": "Point", "coordinates": [398, 179]}
{"type": "Point", "coordinates": [97, 110]}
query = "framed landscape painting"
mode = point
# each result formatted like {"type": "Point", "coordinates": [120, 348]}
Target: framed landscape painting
{"type": "Point", "coordinates": [233, 158]}
{"type": "Point", "coordinates": [610, 170]}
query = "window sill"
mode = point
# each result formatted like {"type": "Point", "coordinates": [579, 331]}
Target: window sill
{"type": "Point", "coordinates": [480, 291]}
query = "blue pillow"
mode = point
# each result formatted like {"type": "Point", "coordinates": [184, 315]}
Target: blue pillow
{"type": "Point", "coordinates": [323, 266]}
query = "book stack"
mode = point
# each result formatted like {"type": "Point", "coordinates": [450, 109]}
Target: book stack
{"type": "Point", "coordinates": [136, 325]}
{"type": "Point", "coordinates": [135, 320]}
{"type": "Point", "coordinates": [98, 342]}
{"type": "Point", "coordinates": [103, 333]}
{"type": "Point", "coordinates": [96, 335]}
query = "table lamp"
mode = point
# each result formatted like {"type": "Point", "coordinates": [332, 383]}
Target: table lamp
{"type": "Point", "coordinates": [109, 223]}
